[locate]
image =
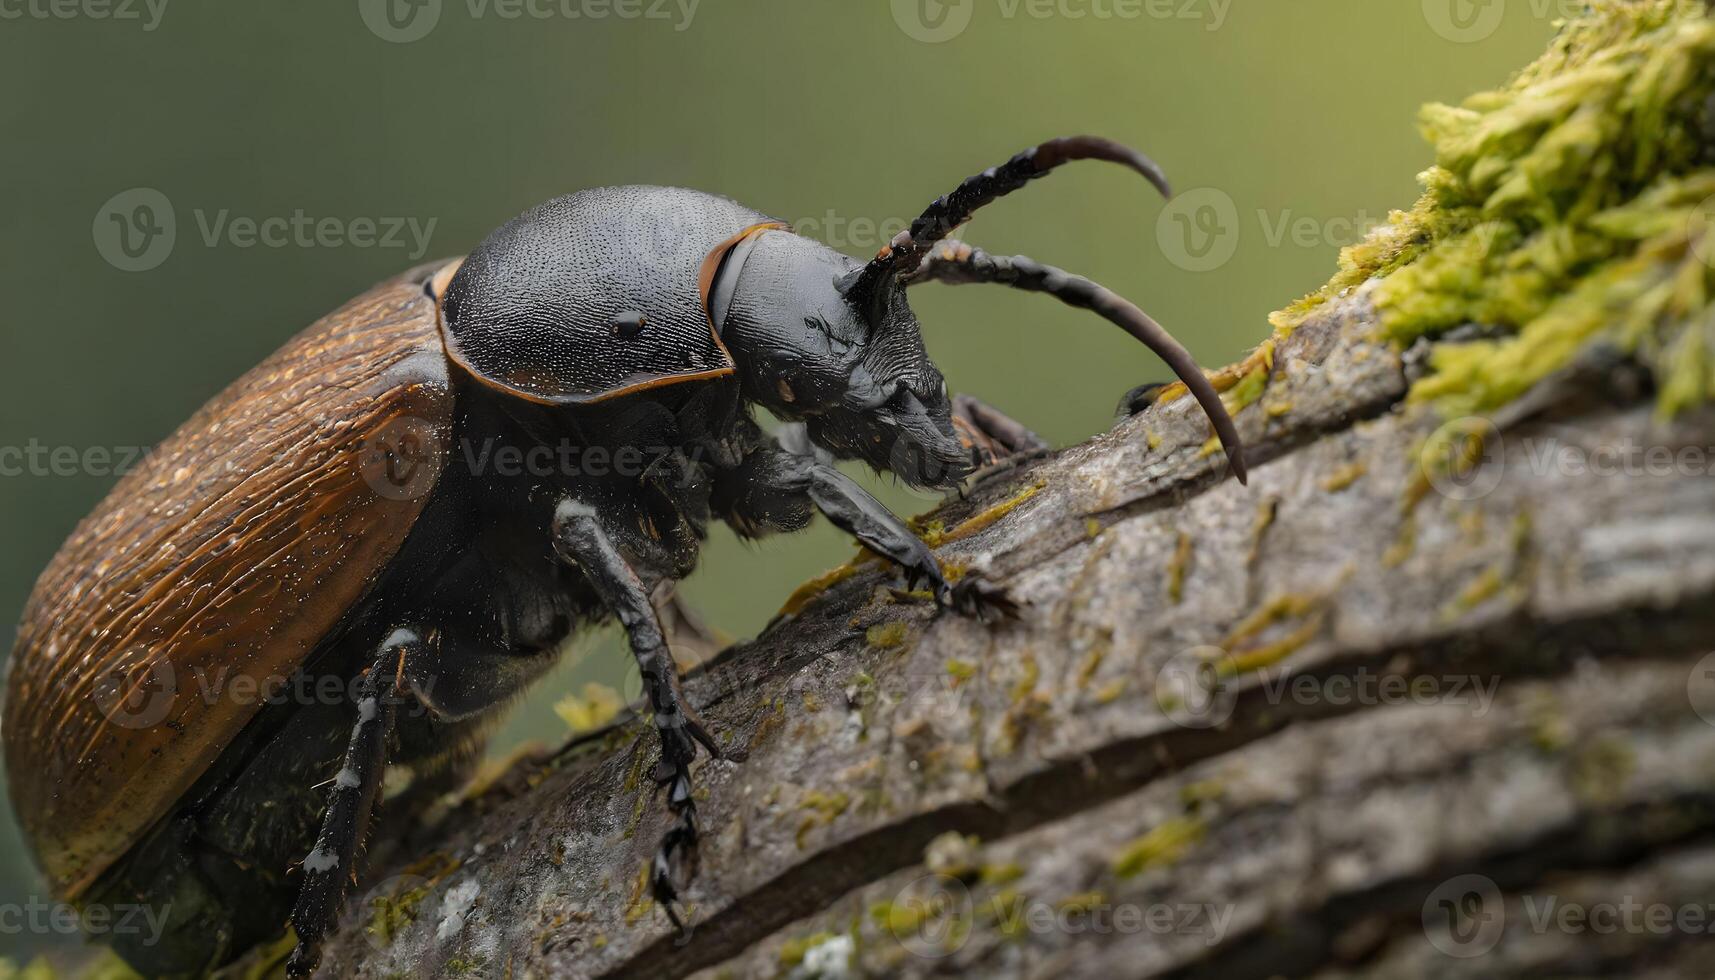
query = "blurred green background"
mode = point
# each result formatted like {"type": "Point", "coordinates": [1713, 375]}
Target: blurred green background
{"type": "Point", "coordinates": [1292, 122]}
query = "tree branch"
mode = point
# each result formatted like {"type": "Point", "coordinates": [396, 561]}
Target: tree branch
{"type": "Point", "coordinates": [1165, 726]}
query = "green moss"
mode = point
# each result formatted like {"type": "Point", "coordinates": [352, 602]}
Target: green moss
{"type": "Point", "coordinates": [1564, 209]}
{"type": "Point", "coordinates": [887, 636]}
{"type": "Point", "coordinates": [464, 966]}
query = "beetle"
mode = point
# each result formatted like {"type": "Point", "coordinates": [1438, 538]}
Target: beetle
{"type": "Point", "coordinates": [337, 521]}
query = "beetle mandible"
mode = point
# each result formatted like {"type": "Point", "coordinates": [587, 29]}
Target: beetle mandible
{"type": "Point", "coordinates": [315, 521]}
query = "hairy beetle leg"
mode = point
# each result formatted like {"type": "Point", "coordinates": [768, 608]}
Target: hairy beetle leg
{"type": "Point", "coordinates": [990, 434]}
{"type": "Point", "coordinates": [580, 540]}
{"type": "Point", "coordinates": [330, 867]}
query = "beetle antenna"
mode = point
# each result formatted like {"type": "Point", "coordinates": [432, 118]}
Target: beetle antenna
{"type": "Point", "coordinates": [902, 255]}
{"type": "Point", "coordinates": [957, 263]}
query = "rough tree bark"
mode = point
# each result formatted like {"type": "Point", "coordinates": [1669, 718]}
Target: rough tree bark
{"type": "Point", "coordinates": [1277, 724]}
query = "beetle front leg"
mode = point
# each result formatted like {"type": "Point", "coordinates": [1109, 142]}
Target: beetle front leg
{"type": "Point", "coordinates": [330, 868]}
{"type": "Point", "coordinates": [771, 479]}
{"type": "Point", "coordinates": [579, 540]}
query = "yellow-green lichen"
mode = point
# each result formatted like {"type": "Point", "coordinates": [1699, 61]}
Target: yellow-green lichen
{"type": "Point", "coordinates": [1479, 590]}
{"type": "Point", "coordinates": [1571, 206]}
{"type": "Point", "coordinates": [1177, 566]}
{"type": "Point", "coordinates": [887, 636]}
{"type": "Point", "coordinates": [1282, 607]}
{"type": "Point", "coordinates": [1111, 691]}
{"type": "Point", "coordinates": [1029, 673]}
{"type": "Point", "coordinates": [960, 670]}
{"type": "Point", "coordinates": [1159, 848]}
{"type": "Point", "coordinates": [1601, 768]}
{"type": "Point", "coordinates": [390, 914]}
{"type": "Point", "coordinates": [995, 875]}
{"type": "Point", "coordinates": [1344, 477]}
{"type": "Point", "coordinates": [984, 519]}
{"type": "Point", "coordinates": [1265, 515]}
{"type": "Point", "coordinates": [823, 809]}
{"type": "Point", "coordinates": [594, 707]}
{"type": "Point", "coordinates": [792, 950]}
{"type": "Point", "coordinates": [639, 904]}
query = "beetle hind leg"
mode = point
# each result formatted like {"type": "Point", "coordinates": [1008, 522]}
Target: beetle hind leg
{"type": "Point", "coordinates": [330, 867]}
{"type": "Point", "coordinates": [580, 540]}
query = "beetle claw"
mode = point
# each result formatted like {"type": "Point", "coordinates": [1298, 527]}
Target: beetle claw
{"type": "Point", "coordinates": [676, 859]}
{"type": "Point", "coordinates": [971, 596]}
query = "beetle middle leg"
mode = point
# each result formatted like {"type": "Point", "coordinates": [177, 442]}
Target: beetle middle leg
{"type": "Point", "coordinates": [330, 867]}
{"type": "Point", "coordinates": [580, 540]}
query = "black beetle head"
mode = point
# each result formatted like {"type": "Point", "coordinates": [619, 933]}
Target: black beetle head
{"type": "Point", "coordinates": [822, 338]}
{"type": "Point", "coordinates": [855, 373]}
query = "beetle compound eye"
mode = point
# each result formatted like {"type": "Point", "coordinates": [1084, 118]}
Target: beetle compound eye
{"type": "Point", "coordinates": [628, 325]}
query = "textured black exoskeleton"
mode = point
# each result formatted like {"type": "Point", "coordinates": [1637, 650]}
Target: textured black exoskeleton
{"type": "Point", "coordinates": [631, 331]}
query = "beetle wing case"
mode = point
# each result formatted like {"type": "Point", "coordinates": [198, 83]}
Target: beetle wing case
{"type": "Point", "coordinates": [594, 295]}
{"type": "Point", "coordinates": [212, 570]}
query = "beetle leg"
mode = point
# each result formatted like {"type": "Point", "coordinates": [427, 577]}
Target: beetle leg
{"type": "Point", "coordinates": [580, 540]}
{"type": "Point", "coordinates": [330, 867]}
{"type": "Point", "coordinates": [774, 482]}
{"type": "Point", "coordinates": [991, 434]}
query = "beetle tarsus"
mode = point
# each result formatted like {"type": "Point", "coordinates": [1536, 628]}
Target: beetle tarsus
{"type": "Point", "coordinates": [991, 435]}
{"type": "Point", "coordinates": [676, 858]}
